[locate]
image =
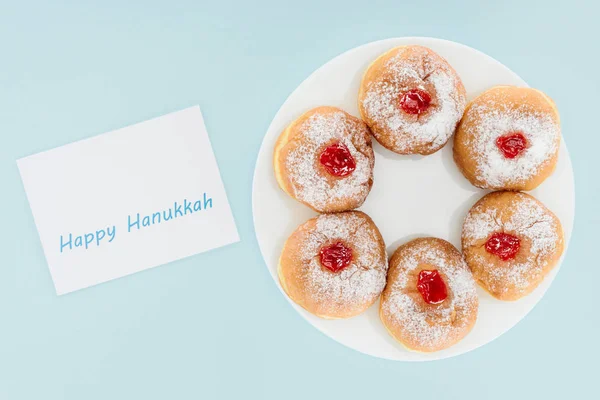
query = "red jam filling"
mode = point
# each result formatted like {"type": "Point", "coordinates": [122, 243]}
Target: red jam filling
{"type": "Point", "coordinates": [432, 286]}
{"type": "Point", "coordinates": [415, 101]}
{"type": "Point", "coordinates": [512, 145]}
{"type": "Point", "coordinates": [337, 160]}
{"type": "Point", "coordinates": [503, 245]}
{"type": "Point", "coordinates": [336, 257]}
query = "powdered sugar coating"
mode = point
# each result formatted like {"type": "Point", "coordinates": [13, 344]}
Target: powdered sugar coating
{"type": "Point", "coordinates": [416, 324]}
{"type": "Point", "coordinates": [523, 216]}
{"type": "Point", "coordinates": [540, 130]}
{"type": "Point", "coordinates": [310, 183]}
{"type": "Point", "coordinates": [351, 290]}
{"type": "Point", "coordinates": [413, 67]}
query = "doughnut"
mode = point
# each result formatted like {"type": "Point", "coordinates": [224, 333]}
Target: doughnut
{"type": "Point", "coordinates": [324, 159]}
{"type": "Point", "coordinates": [508, 139]}
{"type": "Point", "coordinates": [334, 265]}
{"type": "Point", "coordinates": [511, 241]}
{"type": "Point", "coordinates": [412, 100]}
{"type": "Point", "coordinates": [430, 300]}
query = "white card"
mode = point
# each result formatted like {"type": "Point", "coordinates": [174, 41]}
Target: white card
{"type": "Point", "coordinates": [128, 200]}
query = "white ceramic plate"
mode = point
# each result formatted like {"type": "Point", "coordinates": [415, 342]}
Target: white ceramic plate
{"type": "Point", "coordinates": [412, 196]}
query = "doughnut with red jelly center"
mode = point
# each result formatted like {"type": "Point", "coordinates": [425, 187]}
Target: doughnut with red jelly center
{"type": "Point", "coordinates": [334, 265]}
{"type": "Point", "coordinates": [508, 139]}
{"type": "Point", "coordinates": [412, 100]}
{"type": "Point", "coordinates": [324, 159]}
{"type": "Point", "coordinates": [511, 241]}
{"type": "Point", "coordinates": [430, 301]}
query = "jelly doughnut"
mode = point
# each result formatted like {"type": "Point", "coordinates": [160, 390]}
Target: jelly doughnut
{"type": "Point", "coordinates": [412, 100]}
{"type": "Point", "coordinates": [324, 159]}
{"type": "Point", "coordinates": [508, 139]}
{"type": "Point", "coordinates": [511, 241]}
{"type": "Point", "coordinates": [334, 265]}
{"type": "Point", "coordinates": [430, 300]}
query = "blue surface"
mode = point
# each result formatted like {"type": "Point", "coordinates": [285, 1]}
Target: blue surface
{"type": "Point", "coordinates": [214, 326]}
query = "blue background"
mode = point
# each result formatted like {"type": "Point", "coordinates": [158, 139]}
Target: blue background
{"type": "Point", "coordinates": [215, 325]}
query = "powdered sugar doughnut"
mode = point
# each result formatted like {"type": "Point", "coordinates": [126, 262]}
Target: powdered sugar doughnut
{"type": "Point", "coordinates": [508, 139]}
{"type": "Point", "coordinates": [412, 100]}
{"type": "Point", "coordinates": [430, 301]}
{"type": "Point", "coordinates": [511, 241]}
{"type": "Point", "coordinates": [334, 265]}
{"type": "Point", "coordinates": [325, 160]}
